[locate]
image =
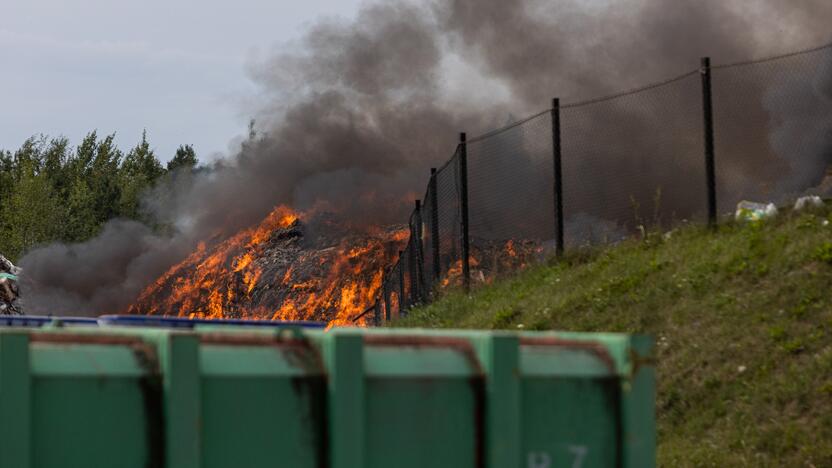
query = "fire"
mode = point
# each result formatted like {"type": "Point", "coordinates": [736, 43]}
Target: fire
{"type": "Point", "coordinates": [510, 250]}
{"type": "Point", "coordinates": [335, 290]}
{"type": "Point", "coordinates": [454, 274]}
{"type": "Point", "coordinates": [489, 261]}
{"type": "Point", "coordinates": [235, 278]}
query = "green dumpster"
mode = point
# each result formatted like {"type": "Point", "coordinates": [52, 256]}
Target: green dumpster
{"type": "Point", "coordinates": [346, 398]}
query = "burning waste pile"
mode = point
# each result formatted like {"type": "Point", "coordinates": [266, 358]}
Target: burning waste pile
{"type": "Point", "coordinates": [9, 288]}
{"type": "Point", "coordinates": [289, 267]}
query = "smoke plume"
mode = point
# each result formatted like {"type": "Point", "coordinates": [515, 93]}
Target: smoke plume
{"type": "Point", "coordinates": [353, 114]}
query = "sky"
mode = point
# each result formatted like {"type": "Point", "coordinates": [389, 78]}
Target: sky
{"type": "Point", "coordinates": [176, 68]}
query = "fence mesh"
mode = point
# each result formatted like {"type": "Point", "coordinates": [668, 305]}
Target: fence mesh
{"type": "Point", "coordinates": [393, 288]}
{"type": "Point", "coordinates": [633, 160]}
{"type": "Point", "coordinates": [416, 258]}
{"type": "Point", "coordinates": [384, 300]}
{"type": "Point", "coordinates": [392, 302]}
{"type": "Point", "coordinates": [772, 127]}
{"type": "Point", "coordinates": [448, 219]}
{"type": "Point", "coordinates": [429, 277]}
{"type": "Point", "coordinates": [629, 162]}
{"type": "Point", "coordinates": [511, 195]}
{"type": "Point", "coordinates": [406, 271]}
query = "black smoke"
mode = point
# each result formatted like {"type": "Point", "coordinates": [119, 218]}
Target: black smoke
{"type": "Point", "coordinates": [353, 114]}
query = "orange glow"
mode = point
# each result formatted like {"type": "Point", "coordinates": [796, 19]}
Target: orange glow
{"type": "Point", "coordinates": [488, 262]}
{"type": "Point", "coordinates": [454, 274]}
{"type": "Point", "coordinates": [510, 250]}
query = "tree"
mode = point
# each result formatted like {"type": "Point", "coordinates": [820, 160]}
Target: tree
{"type": "Point", "coordinates": [91, 192]}
{"type": "Point", "coordinates": [32, 212]}
{"type": "Point", "coordinates": [139, 172]}
{"type": "Point", "coordinates": [51, 192]}
{"type": "Point", "coordinates": [54, 169]}
{"type": "Point", "coordinates": [84, 154]}
{"type": "Point", "coordinates": [185, 157]}
{"type": "Point", "coordinates": [7, 176]}
{"type": "Point", "coordinates": [80, 223]}
{"type": "Point", "coordinates": [104, 179]}
{"type": "Point", "coordinates": [55, 158]}
{"type": "Point", "coordinates": [7, 185]}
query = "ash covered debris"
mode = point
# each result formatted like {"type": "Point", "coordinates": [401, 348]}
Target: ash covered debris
{"type": "Point", "coordinates": [9, 288]}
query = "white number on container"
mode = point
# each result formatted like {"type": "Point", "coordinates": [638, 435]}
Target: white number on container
{"type": "Point", "coordinates": [580, 452]}
{"type": "Point", "coordinates": [544, 460]}
{"type": "Point", "coordinates": [539, 460]}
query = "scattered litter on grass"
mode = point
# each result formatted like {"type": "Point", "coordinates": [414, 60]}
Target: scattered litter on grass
{"type": "Point", "coordinates": [9, 288]}
{"type": "Point", "coordinates": [752, 211]}
{"type": "Point", "coordinates": [813, 201]}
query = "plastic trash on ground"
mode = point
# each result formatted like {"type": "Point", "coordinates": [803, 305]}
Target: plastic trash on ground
{"type": "Point", "coordinates": [751, 211]}
{"type": "Point", "coordinates": [9, 288]}
{"type": "Point", "coordinates": [812, 201]}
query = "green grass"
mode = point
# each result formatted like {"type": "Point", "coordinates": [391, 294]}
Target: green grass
{"type": "Point", "coordinates": [742, 318]}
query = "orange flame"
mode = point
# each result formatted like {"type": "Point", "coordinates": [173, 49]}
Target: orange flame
{"type": "Point", "coordinates": [226, 281]}
{"type": "Point", "coordinates": [510, 250]}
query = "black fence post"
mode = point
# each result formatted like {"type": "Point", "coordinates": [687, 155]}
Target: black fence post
{"type": "Point", "coordinates": [401, 283]}
{"type": "Point", "coordinates": [411, 263]}
{"type": "Point", "coordinates": [385, 291]}
{"type": "Point", "coordinates": [434, 228]}
{"type": "Point", "coordinates": [376, 314]}
{"type": "Point", "coordinates": [463, 186]}
{"type": "Point", "coordinates": [556, 150]}
{"type": "Point", "coordinates": [420, 254]}
{"type": "Point", "coordinates": [710, 165]}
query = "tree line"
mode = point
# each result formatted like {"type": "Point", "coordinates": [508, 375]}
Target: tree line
{"type": "Point", "coordinates": [51, 191]}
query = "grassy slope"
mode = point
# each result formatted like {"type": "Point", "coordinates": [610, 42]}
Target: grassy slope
{"type": "Point", "coordinates": [743, 319]}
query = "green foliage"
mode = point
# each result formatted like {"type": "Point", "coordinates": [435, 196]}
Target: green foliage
{"type": "Point", "coordinates": [81, 222]}
{"type": "Point", "coordinates": [185, 158]}
{"type": "Point", "coordinates": [140, 171]}
{"type": "Point", "coordinates": [50, 191]}
{"type": "Point", "coordinates": [742, 318]}
{"type": "Point", "coordinates": [32, 209]}
{"type": "Point", "coordinates": [824, 252]}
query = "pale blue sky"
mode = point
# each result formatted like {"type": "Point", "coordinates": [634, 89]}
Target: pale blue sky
{"type": "Point", "coordinates": [174, 67]}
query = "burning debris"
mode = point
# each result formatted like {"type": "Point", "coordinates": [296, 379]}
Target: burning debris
{"type": "Point", "coordinates": [9, 288]}
{"type": "Point", "coordinates": [287, 268]}
{"type": "Point", "coordinates": [492, 259]}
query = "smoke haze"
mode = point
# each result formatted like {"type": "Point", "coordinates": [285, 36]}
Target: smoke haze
{"type": "Point", "coordinates": [354, 113]}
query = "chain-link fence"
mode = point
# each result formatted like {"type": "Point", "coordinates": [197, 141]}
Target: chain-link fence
{"type": "Point", "coordinates": [772, 127]}
{"type": "Point", "coordinates": [633, 160]}
{"type": "Point", "coordinates": [599, 171]}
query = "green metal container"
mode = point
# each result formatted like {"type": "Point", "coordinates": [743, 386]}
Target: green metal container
{"type": "Point", "coordinates": [347, 398]}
